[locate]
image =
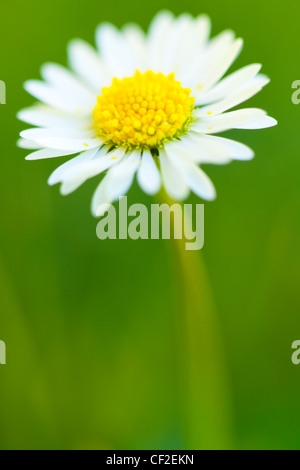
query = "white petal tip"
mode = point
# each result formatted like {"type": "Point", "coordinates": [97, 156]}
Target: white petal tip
{"type": "Point", "coordinates": [164, 13]}
{"type": "Point", "coordinates": [20, 115]}
{"type": "Point", "coordinates": [24, 134]}
{"type": "Point", "coordinates": [265, 123]}
{"type": "Point", "coordinates": [245, 157]}
{"type": "Point", "coordinates": [204, 17]}
{"type": "Point", "coordinates": [100, 210]}
{"type": "Point", "coordinates": [273, 122]}
{"type": "Point", "coordinates": [211, 195]}
{"type": "Point", "coordinates": [245, 154]}
{"type": "Point", "coordinates": [65, 190]}
{"type": "Point", "coordinates": [266, 80]}
{"type": "Point", "coordinates": [28, 85]}
{"type": "Point", "coordinates": [152, 192]}
{"type": "Point", "coordinates": [46, 66]}
{"type": "Point", "coordinates": [74, 42]}
{"type": "Point", "coordinates": [51, 181]}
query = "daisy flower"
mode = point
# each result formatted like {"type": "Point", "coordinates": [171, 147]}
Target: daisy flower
{"type": "Point", "coordinates": [144, 104]}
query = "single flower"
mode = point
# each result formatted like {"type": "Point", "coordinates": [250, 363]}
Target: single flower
{"type": "Point", "coordinates": [144, 105]}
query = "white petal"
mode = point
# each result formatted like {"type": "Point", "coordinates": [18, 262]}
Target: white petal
{"type": "Point", "coordinates": [201, 150]}
{"type": "Point", "coordinates": [80, 173]}
{"type": "Point", "coordinates": [230, 148]}
{"type": "Point", "coordinates": [210, 59]}
{"type": "Point", "coordinates": [221, 67]}
{"type": "Point", "coordinates": [199, 182]}
{"type": "Point", "coordinates": [136, 41]}
{"type": "Point", "coordinates": [86, 62]}
{"type": "Point", "coordinates": [47, 153]}
{"type": "Point", "coordinates": [263, 123]}
{"type": "Point", "coordinates": [63, 170]}
{"type": "Point", "coordinates": [228, 85]}
{"type": "Point", "coordinates": [37, 133]}
{"type": "Point", "coordinates": [27, 144]}
{"type": "Point", "coordinates": [216, 150]}
{"type": "Point", "coordinates": [251, 118]}
{"type": "Point", "coordinates": [100, 201]}
{"type": "Point", "coordinates": [114, 50]}
{"type": "Point", "coordinates": [220, 107]}
{"type": "Point", "coordinates": [260, 80]}
{"type": "Point", "coordinates": [202, 30]}
{"type": "Point", "coordinates": [192, 44]}
{"type": "Point", "coordinates": [62, 139]}
{"type": "Point", "coordinates": [120, 177]}
{"type": "Point", "coordinates": [196, 179]}
{"type": "Point", "coordinates": [44, 116]}
{"type": "Point", "coordinates": [158, 35]}
{"type": "Point", "coordinates": [173, 180]}
{"type": "Point", "coordinates": [68, 85]}
{"type": "Point", "coordinates": [68, 187]}
{"type": "Point", "coordinates": [47, 94]}
{"type": "Point", "coordinates": [74, 145]}
{"type": "Point", "coordinates": [148, 175]}
{"type": "Point", "coordinates": [176, 44]}
{"type": "Point", "coordinates": [115, 184]}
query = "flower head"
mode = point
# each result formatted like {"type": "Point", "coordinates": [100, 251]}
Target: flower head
{"type": "Point", "coordinates": [144, 104]}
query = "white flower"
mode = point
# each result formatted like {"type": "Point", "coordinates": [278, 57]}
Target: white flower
{"type": "Point", "coordinates": [146, 105]}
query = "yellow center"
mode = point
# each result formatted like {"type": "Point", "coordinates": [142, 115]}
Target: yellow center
{"type": "Point", "coordinates": [143, 111]}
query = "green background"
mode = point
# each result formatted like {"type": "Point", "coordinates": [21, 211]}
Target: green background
{"type": "Point", "coordinates": [90, 328]}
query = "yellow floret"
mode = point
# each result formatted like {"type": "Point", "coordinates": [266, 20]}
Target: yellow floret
{"type": "Point", "coordinates": [142, 110]}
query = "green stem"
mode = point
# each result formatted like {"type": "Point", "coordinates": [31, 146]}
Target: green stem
{"type": "Point", "coordinates": [206, 403]}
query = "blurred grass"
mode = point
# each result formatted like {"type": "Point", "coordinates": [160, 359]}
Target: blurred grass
{"type": "Point", "coordinates": [89, 325]}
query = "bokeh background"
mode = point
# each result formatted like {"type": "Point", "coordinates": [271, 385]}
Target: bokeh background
{"type": "Point", "coordinates": [90, 328]}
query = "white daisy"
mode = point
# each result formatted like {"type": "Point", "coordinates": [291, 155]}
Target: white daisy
{"type": "Point", "coordinates": [144, 104]}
